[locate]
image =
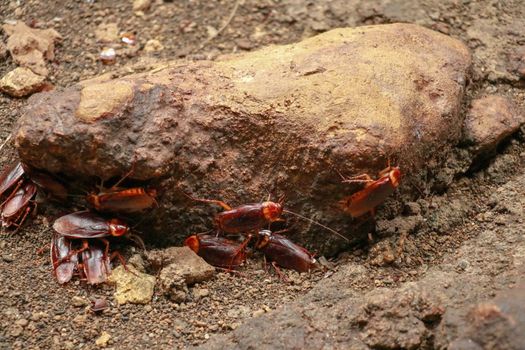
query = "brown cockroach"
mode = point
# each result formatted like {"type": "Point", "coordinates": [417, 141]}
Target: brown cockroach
{"type": "Point", "coordinates": [217, 251]}
{"type": "Point", "coordinates": [10, 176]}
{"type": "Point", "coordinates": [374, 194]}
{"type": "Point", "coordinates": [130, 200]}
{"type": "Point", "coordinates": [18, 205]}
{"type": "Point", "coordinates": [283, 252]}
{"type": "Point", "coordinates": [250, 218]}
{"type": "Point", "coordinates": [86, 225]}
{"type": "Point", "coordinates": [122, 200]}
{"type": "Point", "coordinates": [53, 188]}
{"type": "Point", "coordinates": [61, 248]}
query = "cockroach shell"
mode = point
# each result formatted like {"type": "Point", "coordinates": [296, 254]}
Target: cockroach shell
{"type": "Point", "coordinates": [60, 248]}
{"type": "Point", "coordinates": [82, 224]}
{"type": "Point", "coordinates": [10, 176]}
{"type": "Point", "coordinates": [96, 265]}
{"type": "Point", "coordinates": [287, 254]}
{"type": "Point", "coordinates": [20, 199]}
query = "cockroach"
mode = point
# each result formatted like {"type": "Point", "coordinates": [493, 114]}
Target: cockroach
{"type": "Point", "coordinates": [252, 217]}
{"type": "Point", "coordinates": [217, 251]}
{"type": "Point", "coordinates": [129, 200]}
{"type": "Point", "coordinates": [18, 205]}
{"type": "Point", "coordinates": [96, 265]}
{"type": "Point", "coordinates": [283, 252]}
{"type": "Point", "coordinates": [374, 194]}
{"type": "Point", "coordinates": [86, 225]}
{"type": "Point", "coordinates": [53, 188]}
{"type": "Point", "coordinates": [122, 200]}
{"type": "Point", "coordinates": [61, 248]}
{"type": "Point", "coordinates": [10, 176]}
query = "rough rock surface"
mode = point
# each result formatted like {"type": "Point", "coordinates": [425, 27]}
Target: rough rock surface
{"type": "Point", "coordinates": [490, 120]}
{"type": "Point", "coordinates": [30, 47]}
{"type": "Point", "coordinates": [21, 82]}
{"type": "Point", "coordinates": [282, 120]}
{"type": "Point", "coordinates": [132, 286]}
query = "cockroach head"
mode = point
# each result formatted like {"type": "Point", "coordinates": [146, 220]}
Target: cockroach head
{"type": "Point", "coordinates": [395, 176]}
{"type": "Point", "coordinates": [118, 227]}
{"type": "Point", "coordinates": [272, 211]}
{"type": "Point", "coordinates": [193, 243]}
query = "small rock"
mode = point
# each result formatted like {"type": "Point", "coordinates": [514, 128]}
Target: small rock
{"type": "Point", "coordinates": [137, 262]}
{"type": "Point", "coordinates": [107, 33]}
{"type": "Point", "coordinates": [79, 301]}
{"type": "Point", "coordinates": [108, 55]}
{"type": "Point", "coordinates": [31, 47]}
{"type": "Point", "coordinates": [8, 258]}
{"type": "Point", "coordinates": [22, 322]}
{"type": "Point", "coordinates": [16, 330]}
{"type": "Point", "coordinates": [103, 340]}
{"type": "Point", "coordinates": [128, 38]}
{"type": "Point", "coordinates": [80, 319]}
{"type": "Point", "coordinates": [37, 316]}
{"type": "Point", "coordinates": [141, 5]}
{"type": "Point", "coordinates": [132, 287]}
{"type": "Point", "coordinates": [153, 45]}
{"type": "Point", "coordinates": [244, 44]}
{"type": "Point", "coordinates": [21, 82]}
{"type": "Point", "coordinates": [489, 121]}
{"type": "Point", "coordinates": [412, 208]}
{"type": "Point", "coordinates": [258, 313]}
{"type": "Point", "coordinates": [173, 284]}
{"type": "Point", "coordinates": [148, 308]}
{"type": "Point", "coordinates": [199, 293]}
{"type": "Point", "coordinates": [183, 262]}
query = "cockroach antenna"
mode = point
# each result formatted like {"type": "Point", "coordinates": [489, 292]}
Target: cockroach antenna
{"type": "Point", "coordinates": [317, 223]}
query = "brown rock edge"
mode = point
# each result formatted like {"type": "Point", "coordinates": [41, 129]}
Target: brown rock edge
{"type": "Point", "coordinates": [281, 120]}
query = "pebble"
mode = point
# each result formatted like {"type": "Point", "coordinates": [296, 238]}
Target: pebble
{"type": "Point", "coordinates": [79, 301]}
{"type": "Point", "coordinates": [199, 293]}
{"type": "Point", "coordinates": [8, 258]}
{"type": "Point", "coordinates": [16, 330]}
{"type": "Point", "coordinates": [103, 340]}
{"type": "Point", "coordinates": [22, 322]}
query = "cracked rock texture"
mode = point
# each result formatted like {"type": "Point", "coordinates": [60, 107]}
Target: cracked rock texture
{"type": "Point", "coordinates": [283, 120]}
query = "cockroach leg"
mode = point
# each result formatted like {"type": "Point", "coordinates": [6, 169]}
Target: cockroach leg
{"type": "Point", "coordinates": [85, 246]}
{"type": "Point", "coordinates": [281, 275]}
{"type": "Point", "coordinates": [212, 201]}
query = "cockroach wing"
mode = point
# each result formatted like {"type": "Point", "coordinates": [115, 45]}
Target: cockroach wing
{"type": "Point", "coordinates": [10, 176]}
{"type": "Point", "coordinates": [82, 224]}
{"type": "Point", "coordinates": [287, 254]}
{"type": "Point", "coordinates": [60, 248]}
{"type": "Point", "coordinates": [19, 200]}
{"type": "Point", "coordinates": [96, 265]}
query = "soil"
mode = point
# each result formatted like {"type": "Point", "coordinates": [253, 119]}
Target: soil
{"type": "Point", "coordinates": [38, 313]}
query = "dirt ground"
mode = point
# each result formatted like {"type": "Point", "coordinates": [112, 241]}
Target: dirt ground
{"type": "Point", "coordinates": [38, 313]}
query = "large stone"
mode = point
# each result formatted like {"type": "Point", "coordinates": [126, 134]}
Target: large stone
{"type": "Point", "coordinates": [283, 120]}
{"type": "Point", "coordinates": [489, 121]}
{"type": "Point", "coordinates": [22, 82]}
{"type": "Point", "coordinates": [31, 47]}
